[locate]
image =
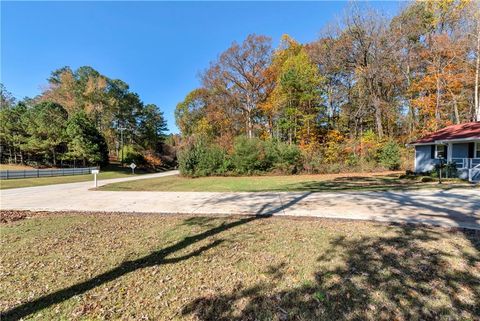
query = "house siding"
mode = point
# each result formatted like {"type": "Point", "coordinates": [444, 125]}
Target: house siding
{"type": "Point", "coordinates": [423, 159]}
{"type": "Point", "coordinates": [460, 150]}
{"type": "Point", "coordinates": [425, 163]}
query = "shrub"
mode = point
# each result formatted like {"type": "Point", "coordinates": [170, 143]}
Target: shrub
{"type": "Point", "coordinates": [312, 161]}
{"type": "Point", "coordinates": [249, 155]}
{"type": "Point", "coordinates": [427, 179]}
{"type": "Point", "coordinates": [352, 160]}
{"type": "Point", "coordinates": [390, 156]}
{"type": "Point", "coordinates": [289, 158]}
{"type": "Point", "coordinates": [187, 160]}
{"type": "Point", "coordinates": [152, 160]}
{"type": "Point", "coordinates": [132, 155]}
{"type": "Point", "coordinates": [199, 158]}
{"type": "Point", "coordinates": [252, 155]}
{"type": "Point", "coordinates": [370, 146]}
{"type": "Point", "coordinates": [211, 161]}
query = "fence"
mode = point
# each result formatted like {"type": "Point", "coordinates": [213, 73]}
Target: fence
{"type": "Point", "coordinates": [32, 173]}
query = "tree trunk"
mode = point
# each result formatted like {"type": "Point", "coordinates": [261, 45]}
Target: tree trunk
{"type": "Point", "coordinates": [437, 104]}
{"type": "Point", "coordinates": [477, 71]}
{"type": "Point", "coordinates": [249, 124]}
{"type": "Point", "coordinates": [455, 111]}
{"type": "Point", "coordinates": [378, 116]}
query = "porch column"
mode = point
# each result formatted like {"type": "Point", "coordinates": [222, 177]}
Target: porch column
{"type": "Point", "coordinates": [449, 152]}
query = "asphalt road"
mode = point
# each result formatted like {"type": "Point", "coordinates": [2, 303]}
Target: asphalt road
{"type": "Point", "coordinates": [450, 208]}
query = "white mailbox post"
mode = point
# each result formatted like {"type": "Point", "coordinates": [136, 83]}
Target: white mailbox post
{"type": "Point", "coordinates": [95, 172]}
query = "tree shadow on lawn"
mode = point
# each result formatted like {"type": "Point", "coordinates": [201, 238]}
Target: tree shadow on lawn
{"type": "Point", "coordinates": [159, 257]}
{"type": "Point", "coordinates": [381, 278]}
{"type": "Point", "coordinates": [359, 183]}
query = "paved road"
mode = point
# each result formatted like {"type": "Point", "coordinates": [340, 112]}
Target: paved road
{"type": "Point", "coordinates": [454, 208]}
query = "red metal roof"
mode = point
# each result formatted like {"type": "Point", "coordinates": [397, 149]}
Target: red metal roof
{"type": "Point", "coordinates": [461, 131]}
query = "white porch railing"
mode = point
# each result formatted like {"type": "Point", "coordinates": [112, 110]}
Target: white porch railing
{"type": "Point", "coordinates": [466, 163]}
{"type": "Point", "coordinates": [473, 172]}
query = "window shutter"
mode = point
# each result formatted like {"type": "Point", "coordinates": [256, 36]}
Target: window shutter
{"type": "Point", "coordinates": [471, 150]}
{"type": "Point", "coordinates": [446, 152]}
{"type": "Point", "coordinates": [432, 151]}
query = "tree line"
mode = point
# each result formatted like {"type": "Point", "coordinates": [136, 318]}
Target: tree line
{"type": "Point", "coordinates": [368, 83]}
{"type": "Point", "coordinates": [80, 118]}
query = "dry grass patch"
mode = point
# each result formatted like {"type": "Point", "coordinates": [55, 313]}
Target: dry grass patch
{"type": "Point", "coordinates": [12, 167]}
{"type": "Point", "coordinates": [150, 267]}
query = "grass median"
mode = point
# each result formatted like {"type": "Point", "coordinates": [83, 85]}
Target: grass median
{"type": "Point", "coordinates": [66, 266]}
{"type": "Point", "coordinates": [299, 183]}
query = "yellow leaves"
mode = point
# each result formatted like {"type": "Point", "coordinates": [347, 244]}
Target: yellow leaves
{"type": "Point", "coordinates": [445, 12]}
{"type": "Point", "coordinates": [95, 85]}
{"type": "Point", "coordinates": [203, 126]}
{"type": "Point", "coordinates": [333, 147]}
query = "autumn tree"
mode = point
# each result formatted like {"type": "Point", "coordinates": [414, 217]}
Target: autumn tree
{"type": "Point", "coordinates": [296, 97]}
{"type": "Point", "coordinates": [240, 75]}
{"type": "Point", "coordinates": [108, 103]}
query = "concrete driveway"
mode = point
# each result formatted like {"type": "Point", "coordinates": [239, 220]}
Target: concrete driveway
{"type": "Point", "coordinates": [451, 208]}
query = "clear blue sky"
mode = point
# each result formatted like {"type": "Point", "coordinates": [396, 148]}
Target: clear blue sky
{"type": "Point", "coordinates": [158, 48]}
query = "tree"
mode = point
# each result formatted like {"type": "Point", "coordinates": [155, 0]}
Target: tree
{"type": "Point", "coordinates": [108, 103]}
{"type": "Point", "coordinates": [13, 131]}
{"type": "Point", "coordinates": [85, 142]}
{"type": "Point", "coordinates": [45, 129]}
{"type": "Point", "coordinates": [190, 112]}
{"type": "Point", "coordinates": [6, 98]}
{"type": "Point", "coordinates": [240, 74]}
{"type": "Point", "coordinates": [152, 127]}
{"type": "Point", "coordinates": [297, 94]}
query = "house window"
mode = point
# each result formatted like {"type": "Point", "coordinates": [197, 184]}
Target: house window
{"type": "Point", "coordinates": [440, 151]}
{"type": "Point", "coordinates": [477, 150]}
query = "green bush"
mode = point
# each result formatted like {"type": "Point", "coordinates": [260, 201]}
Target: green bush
{"type": "Point", "coordinates": [202, 159]}
{"type": "Point", "coordinates": [187, 160]}
{"type": "Point", "coordinates": [352, 160]}
{"type": "Point", "coordinates": [289, 158]}
{"type": "Point", "coordinates": [390, 156]}
{"type": "Point", "coordinates": [252, 155]}
{"type": "Point", "coordinates": [249, 156]}
{"type": "Point", "coordinates": [211, 161]}
{"type": "Point", "coordinates": [132, 155]}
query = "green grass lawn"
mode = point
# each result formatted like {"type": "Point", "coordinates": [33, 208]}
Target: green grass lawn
{"type": "Point", "coordinates": [315, 183]}
{"type": "Point", "coordinates": [111, 171]}
{"type": "Point", "coordinates": [69, 266]}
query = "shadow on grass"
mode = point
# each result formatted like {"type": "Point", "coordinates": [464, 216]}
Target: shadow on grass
{"type": "Point", "coordinates": [360, 183]}
{"type": "Point", "coordinates": [381, 278]}
{"type": "Point", "coordinates": [159, 257]}
{"type": "Point", "coordinates": [155, 258]}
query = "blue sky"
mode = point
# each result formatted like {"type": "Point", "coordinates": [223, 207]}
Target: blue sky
{"type": "Point", "coordinates": [158, 48]}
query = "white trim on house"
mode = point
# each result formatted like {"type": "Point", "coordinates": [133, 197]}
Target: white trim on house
{"type": "Point", "coordinates": [446, 141]}
{"type": "Point", "coordinates": [437, 151]}
{"type": "Point", "coordinates": [449, 152]}
{"type": "Point", "coordinates": [458, 140]}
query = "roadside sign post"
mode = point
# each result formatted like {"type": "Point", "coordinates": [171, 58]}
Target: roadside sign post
{"type": "Point", "coordinates": [95, 172]}
{"type": "Point", "coordinates": [132, 166]}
